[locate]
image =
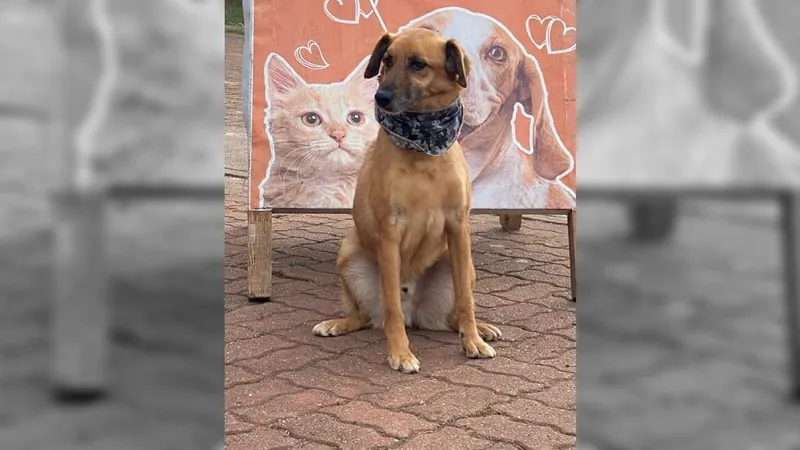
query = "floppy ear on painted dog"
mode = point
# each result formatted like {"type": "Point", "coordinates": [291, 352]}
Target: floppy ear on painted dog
{"type": "Point", "coordinates": [456, 63]}
{"type": "Point", "coordinates": [374, 64]}
{"type": "Point", "coordinates": [550, 158]}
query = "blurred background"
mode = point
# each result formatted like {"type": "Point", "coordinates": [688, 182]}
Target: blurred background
{"type": "Point", "coordinates": [682, 309]}
{"type": "Point", "coordinates": [682, 315]}
{"type": "Point", "coordinates": [134, 89]}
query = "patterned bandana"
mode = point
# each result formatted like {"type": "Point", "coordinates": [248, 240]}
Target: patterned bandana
{"type": "Point", "coordinates": [432, 133]}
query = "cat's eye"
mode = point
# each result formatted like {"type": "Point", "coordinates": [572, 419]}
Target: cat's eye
{"type": "Point", "coordinates": [497, 53]}
{"type": "Point", "coordinates": [356, 118]}
{"type": "Point", "coordinates": [311, 119]}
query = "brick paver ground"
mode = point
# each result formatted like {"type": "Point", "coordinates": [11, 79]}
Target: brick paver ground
{"type": "Point", "coordinates": [287, 388]}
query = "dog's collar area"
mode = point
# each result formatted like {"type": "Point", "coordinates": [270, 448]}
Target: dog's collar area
{"type": "Point", "coordinates": [430, 132]}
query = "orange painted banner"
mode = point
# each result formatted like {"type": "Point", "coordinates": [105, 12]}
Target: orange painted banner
{"type": "Point", "coordinates": [313, 111]}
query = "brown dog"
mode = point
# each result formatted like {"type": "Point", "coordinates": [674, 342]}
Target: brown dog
{"type": "Point", "coordinates": [408, 262]}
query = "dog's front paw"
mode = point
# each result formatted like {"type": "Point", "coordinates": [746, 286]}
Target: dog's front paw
{"type": "Point", "coordinates": [404, 361]}
{"type": "Point", "coordinates": [489, 332]}
{"type": "Point", "coordinates": [475, 347]}
{"type": "Point", "coordinates": [333, 327]}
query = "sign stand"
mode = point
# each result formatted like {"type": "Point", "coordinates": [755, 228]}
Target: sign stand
{"type": "Point", "coordinates": [790, 224]}
{"type": "Point", "coordinates": [259, 250]}
{"type": "Point", "coordinates": [259, 254]}
{"type": "Point", "coordinates": [311, 56]}
{"type": "Point", "coordinates": [80, 315]}
{"type": "Point", "coordinates": [572, 223]}
{"type": "Point", "coordinates": [511, 222]}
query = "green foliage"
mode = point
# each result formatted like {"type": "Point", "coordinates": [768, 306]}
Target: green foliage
{"type": "Point", "coordinates": [234, 14]}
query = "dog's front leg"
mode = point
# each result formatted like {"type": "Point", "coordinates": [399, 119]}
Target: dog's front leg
{"type": "Point", "coordinates": [400, 356]}
{"type": "Point", "coordinates": [460, 248]}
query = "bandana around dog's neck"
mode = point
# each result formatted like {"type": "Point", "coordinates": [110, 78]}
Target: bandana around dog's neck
{"type": "Point", "coordinates": [430, 132]}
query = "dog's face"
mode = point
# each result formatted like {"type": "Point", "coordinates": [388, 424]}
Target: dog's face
{"type": "Point", "coordinates": [418, 70]}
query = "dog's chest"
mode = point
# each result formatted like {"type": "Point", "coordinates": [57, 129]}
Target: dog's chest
{"type": "Point", "coordinates": [422, 239]}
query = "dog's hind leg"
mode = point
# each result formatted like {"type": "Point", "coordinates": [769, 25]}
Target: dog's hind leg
{"type": "Point", "coordinates": [435, 309]}
{"type": "Point", "coordinates": [360, 292]}
{"type": "Point", "coordinates": [355, 320]}
{"type": "Point", "coordinates": [434, 298]}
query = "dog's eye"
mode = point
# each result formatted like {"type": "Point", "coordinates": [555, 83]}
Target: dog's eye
{"type": "Point", "coordinates": [311, 119]}
{"type": "Point", "coordinates": [387, 61]}
{"type": "Point", "coordinates": [417, 65]}
{"type": "Point", "coordinates": [497, 53]}
{"type": "Point", "coordinates": [355, 118]}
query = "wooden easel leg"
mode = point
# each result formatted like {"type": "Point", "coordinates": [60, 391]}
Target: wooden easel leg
{"type": "Point", "coordinates": [259, 249]}
{"type": "Point", "coordinates": [571, 224]}
{"type": "Point", "coordinates": [511, 222]}
{"type": "Point", "coordinates": [80, 309]}
{"type": "Point", "coordinates": [790, 208]}
{"type": "Point", "coordinates": [654, 219]}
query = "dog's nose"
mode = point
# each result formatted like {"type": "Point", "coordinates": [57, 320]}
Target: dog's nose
{"type": "Point", "coordinates": [384, 98]}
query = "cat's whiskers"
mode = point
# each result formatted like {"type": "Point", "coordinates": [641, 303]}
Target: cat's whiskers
{"type": "Point", "coordinates": [309, 151]}
{"type": "Point", "coordinates": [293, 151]}
{"type": "Point", "coordinates": [311, 156]}
{"type": "Point", "coordinates": [281, 171]}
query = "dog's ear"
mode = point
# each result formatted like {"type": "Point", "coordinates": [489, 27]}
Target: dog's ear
{"type": "Point", "coordinates": [456, 63]}
{"type": "Point", "coordinates": [374, 64]}
{"type": "Point", "coordinates": [550, 158]}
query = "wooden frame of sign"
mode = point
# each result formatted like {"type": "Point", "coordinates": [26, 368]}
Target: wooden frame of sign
{"type": "Point", "coordinates": [521, 157]}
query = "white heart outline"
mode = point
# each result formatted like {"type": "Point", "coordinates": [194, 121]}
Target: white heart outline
{"type": "Point", "coordinates": [367, 15]}
{"type": "Point", "coordinates": [306, 63]}
{"type": "Point", "coordinates": [567, 29]}
{"type": "Point", "coordinates": [358, 13]}
{"type": "Point", "coordinates": [541, 21]}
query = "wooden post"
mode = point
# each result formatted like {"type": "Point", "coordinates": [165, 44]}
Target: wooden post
{"type": "Point", "coordinates": [790, 208]}
{"type": "Point", "coordinates": [80, 310]}
{"type": "Point", "coordinates": [259, 249]}
{"type": "Point", "coordinates": [511, 222]}
{"type": "Point", "coordinates": [571, 224]}
{"type": "Point", "coordinates": [80, 316]}
{"type": "Point", "coordinates": [653, 219]}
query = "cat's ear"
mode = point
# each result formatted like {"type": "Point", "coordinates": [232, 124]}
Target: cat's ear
{"type": "Point", "coordinates": [374, 64]}
{"type": "Point", "coordinates": [356, 79]}
{"type": "Point", "coordinates": [281, 78]}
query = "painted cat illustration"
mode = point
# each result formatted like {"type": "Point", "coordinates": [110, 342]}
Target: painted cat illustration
{"type": "Point", "coordinates": [319, 134]}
